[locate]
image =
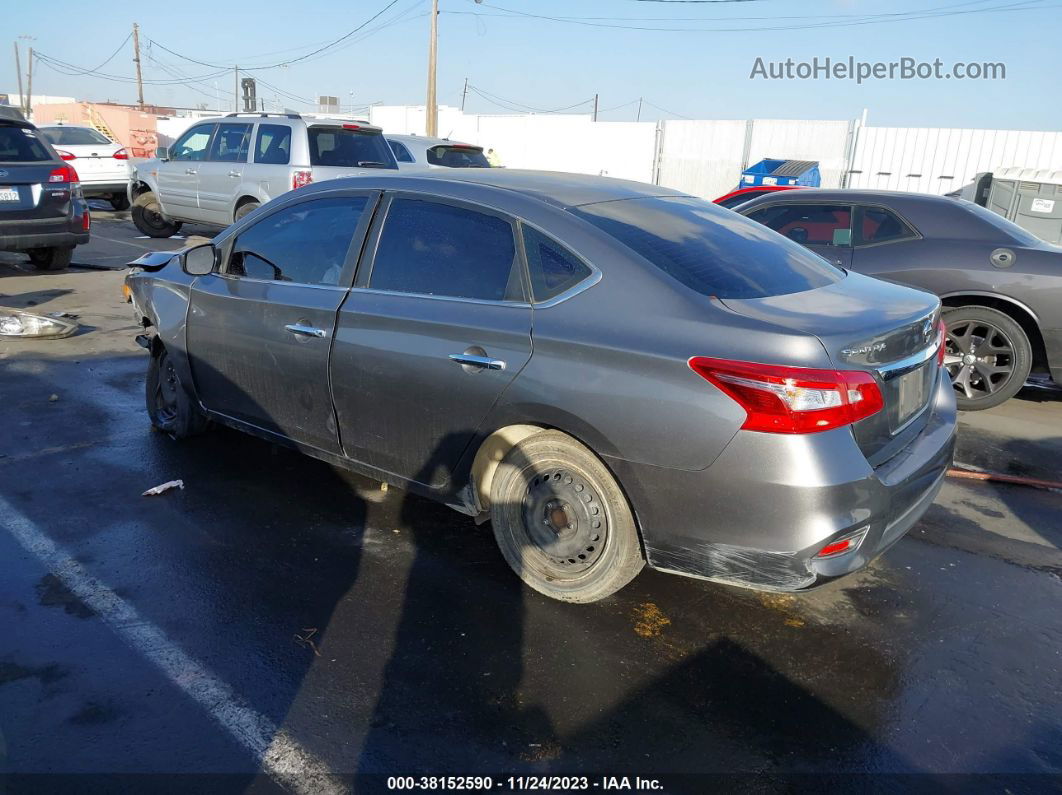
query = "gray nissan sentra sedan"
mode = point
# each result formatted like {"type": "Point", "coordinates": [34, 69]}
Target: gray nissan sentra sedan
{"type": "Point", "coordinates": [612, 373]}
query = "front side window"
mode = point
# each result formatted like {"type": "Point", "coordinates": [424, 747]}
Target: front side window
{"type": "Point", "coordinates": [552, 267]}
{"type": "Point", "coordinates": [809, 224]}
{"type": "Point", "coordinates": [193, 144]}
{"type": "Point", "coordinates": [457, 157]}
{"type": "Point", "coordinates": [305, 243]}
{"type": "Point", "coordinates": [20, 145]}
{"type": "Point", "coordinates": [75, 136]}
{"type": "Point", "coordinates": [710, 249]}
{"type": "Point", "coordinates": [402, 154]}
{"type": "Point", "coordinates": [347, 148]}
{"type": "Point", "coordinates": [273, 145]}
{"type": "Point", "coordinates": [231, 143]}
{"type": "Point", "coordinates": [432, 248]}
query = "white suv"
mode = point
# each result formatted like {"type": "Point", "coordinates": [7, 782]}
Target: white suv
{"type": "Point", "coordinates": [221, 169]}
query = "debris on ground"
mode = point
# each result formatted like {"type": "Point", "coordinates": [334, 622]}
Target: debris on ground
{"type": "Point", "coordinates": [162, 487]}
{"type": "Point", "coordinates": [306, 639]}
{"type": "Point", "coordinates": [58, 325]}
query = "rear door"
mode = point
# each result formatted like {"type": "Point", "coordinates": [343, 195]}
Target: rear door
{"type": "Point", "coordinates": [32, 188]}
{"type": "Point", "coordinates": [178, 178]}
{"type": "Point", "coordinates": [222, 172]}
{"type": "Point", "coordinates": [825, 228]}
{"type": "Point", "coordinates": [435, 330]}
{"type": "Point", "coordinates": [259, 332]}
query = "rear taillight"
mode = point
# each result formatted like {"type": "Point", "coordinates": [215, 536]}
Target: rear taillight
{"type": "Point", "coordinates": [85, 221]}
{"type": "Point", "coordinates": [942, 334]}
{"type": "Point", "coordinates": [65, 155]}
{"type": "Point", "coordinates": [63, 174]}
{"type": "Point", "coordinates": [351, 126]}
{"type": "Point", "coordinates": [780, 399]}
{"type": "Point", "coordinates": [300, 179]}
{"type": "Point", "coordinates": [121, 154]}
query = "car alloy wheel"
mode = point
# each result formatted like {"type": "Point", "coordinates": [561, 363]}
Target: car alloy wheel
{"type": "Point", "coordinates": [979, 357]}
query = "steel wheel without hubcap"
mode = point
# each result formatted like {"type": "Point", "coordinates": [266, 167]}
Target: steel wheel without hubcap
{"type": "Point", "coordinates": [564, 523]}
{"type": "Point", "coordinates": [987, 355]}
{"type": "Point", "coordinates": [166, 392]}
{"type": "Point", "coordinates": [561, 520]}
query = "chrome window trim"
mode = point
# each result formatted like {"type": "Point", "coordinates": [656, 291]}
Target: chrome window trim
{"type": "Point", "coordinates": [572, 291]}
{"type": "Point", "coordinates": [234, 278]}
{"type": "Point", "coordinates": [376, 291]}
{"type": "Point", "coordinates": [585, 284]}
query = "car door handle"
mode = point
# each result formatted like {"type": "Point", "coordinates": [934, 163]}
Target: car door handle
{"type": "Point", "coordinates": [306, 331]}
{"type": "Point", "coordinates": [484, 362]}
{"type": "Point", "coordinates": [190, 171]}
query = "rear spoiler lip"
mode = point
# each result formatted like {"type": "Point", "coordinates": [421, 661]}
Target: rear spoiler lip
{"type": "Point", "coordinates": [153, 260]}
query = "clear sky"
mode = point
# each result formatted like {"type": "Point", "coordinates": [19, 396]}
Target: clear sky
{"type": "Point", "coordinates": [697, 66]}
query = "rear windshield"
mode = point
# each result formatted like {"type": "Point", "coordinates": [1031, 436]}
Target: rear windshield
{"type": "Point", "coordinates": [710, 249]}
{"type": "Point", "coordinates": [334, 146]}
{"type": "Point", "coordinates": [74, 136]}
{"type": "Point", "coordinates": [457, 157]}
{"type": "Point", "coordinates": [20, 145]}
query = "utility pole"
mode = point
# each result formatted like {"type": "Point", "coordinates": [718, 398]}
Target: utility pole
{"type": "Point", "coordinates": [431, 111]}
{"type": "Point", "coordinates": [136, 60]}
{"type": "Point", "coordinates": [595, 107]}
{"type": "Point", "coordinates": [639, 116]}
{"type": "Point", "coordinates": [29, 86]}
{"type": "Point", "coordinates": [464, 94]}
{"type": "Point", "coordinates": [18, 71]}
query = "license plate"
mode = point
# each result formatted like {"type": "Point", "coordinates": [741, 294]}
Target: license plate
{"type": "Point", "coordinates": [9, 194]}
{"type": "Point", "coordinates": [912, 392]}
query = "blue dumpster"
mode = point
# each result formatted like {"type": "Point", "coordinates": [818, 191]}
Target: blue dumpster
{"type": "Point", "coordinates": [771, 171]}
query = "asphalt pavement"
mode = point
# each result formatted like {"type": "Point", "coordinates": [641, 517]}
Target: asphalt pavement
{"type": "Point", "coordinates": [277, 621]}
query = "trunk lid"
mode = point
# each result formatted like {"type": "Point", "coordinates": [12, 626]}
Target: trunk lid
{"type": "Point", "coordinates": [867, 324]}
{"type": "Point", "coordinates": [27, 194]}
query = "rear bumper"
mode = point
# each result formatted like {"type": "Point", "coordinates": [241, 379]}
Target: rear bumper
{"type": "Point", "coordinates": [762, 511]}
{"type": "Point", "coordinates": [26, 235]}
{"type": "Point", "coordinates": [105, 187]}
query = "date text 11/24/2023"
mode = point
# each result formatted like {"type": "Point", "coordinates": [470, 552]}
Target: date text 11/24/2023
{"type": "Point", "coordinates": [520, 783]}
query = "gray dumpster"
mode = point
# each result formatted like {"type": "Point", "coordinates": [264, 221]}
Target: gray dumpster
{"type": "Point", "coordinates": [1031, 198]}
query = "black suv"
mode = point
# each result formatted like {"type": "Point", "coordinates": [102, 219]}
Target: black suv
{"type": "Point", "coordinates": [42, 210]}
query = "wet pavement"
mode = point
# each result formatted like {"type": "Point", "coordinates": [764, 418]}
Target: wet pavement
{"type": "Point", "coordinates": [280, 616]}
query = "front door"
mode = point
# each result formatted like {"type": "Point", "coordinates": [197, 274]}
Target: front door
{"type": "Point", "coordinates": [222, 172]}
{"type": "Point", "coordinates": [178, 178]}
{"type": "Point", "coordinates": [826, 229]}
{"type": "Point", "coordinates": [438, 327]}
{"type": "Point", "coordinates": [260, 330]}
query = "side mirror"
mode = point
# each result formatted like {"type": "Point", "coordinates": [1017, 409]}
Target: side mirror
{"type": "Point", "coordinates": [199, 261]}
{"type": "Point", "coordinates": [162, 152]}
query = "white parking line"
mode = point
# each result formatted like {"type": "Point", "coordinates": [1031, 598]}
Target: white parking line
{"type": "Point", "coordinates": [280, 756]}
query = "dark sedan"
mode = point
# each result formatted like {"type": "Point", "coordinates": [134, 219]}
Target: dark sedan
{"type": "Point", "coordinates": [42, 210]}
{"type": "Point", "coordinates": [613, 373]}
{"type": "Point", "coordinates": [1000, 285]}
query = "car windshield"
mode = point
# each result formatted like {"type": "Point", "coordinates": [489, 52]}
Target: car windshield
{"type": "Point", "coordinates": [457, 157]}
{"type": "Point", "coordinates": [74, 136]}
{"type": "Point", "coordinates": [1016, 233]}
{"type": "Point", "coordinates": [710, 249]}
{"type": "Point", "coordinates": [336, 146]}
{"type": "Point", "coordinates": [20, 145]}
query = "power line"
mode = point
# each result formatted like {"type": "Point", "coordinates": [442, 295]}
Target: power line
{"type": "Point", "coordinates": [511, 104]}
{"type": "Point", "coordinates": [69, 69]}
{"type": "Point", "coordinates": [292, 60]}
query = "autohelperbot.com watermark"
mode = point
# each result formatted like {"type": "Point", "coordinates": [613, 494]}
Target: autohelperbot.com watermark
{"type": "Point", "coordinates": [850, 68]}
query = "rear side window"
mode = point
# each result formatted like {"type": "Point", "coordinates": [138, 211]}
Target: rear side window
{"type": "Point", "coordinates": [439, 249]}
{"type": "Point", "coordinates": [402, 154]}
{"type": "Point", "coordinates": [457, 157]}
{"type": "Point", "coordinates": [305, 243]}
{"type": "Point", "coordinates": [336, 146]}
{"type": "Point", "coordinates": [231, 143]}
{"type": "Point", "coordinates": [20, 145]}
{"type": "Point", "coordinates": [809, 224]}
{"type": "Point", "coordinates": [878, 225]}
{"type": "Point", "coordinates": [552, 267]}
{"type": "Point", "coordinates": [710, 249]}
{"type": "Point", "coordinates": [273, 145]}
{"type": "Point", "coordinates": [75, 136]}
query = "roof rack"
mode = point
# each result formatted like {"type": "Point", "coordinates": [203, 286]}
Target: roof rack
{"type": "Point", "coordinates": [264, 115]}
